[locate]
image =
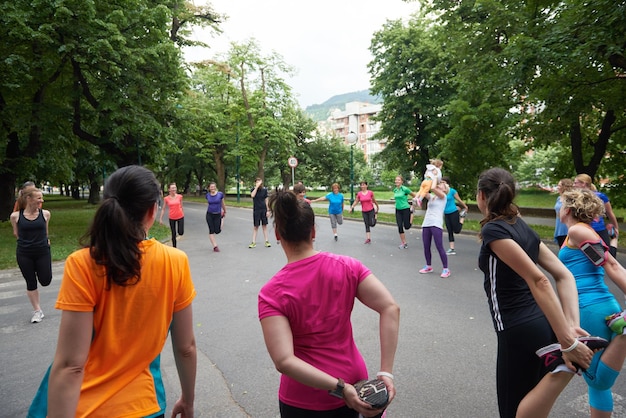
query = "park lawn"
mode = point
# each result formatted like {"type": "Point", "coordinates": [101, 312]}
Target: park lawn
{"type": "Point", "coordinates": [525, 198]}
{"type": "Point", "coordinates": [70, 219]}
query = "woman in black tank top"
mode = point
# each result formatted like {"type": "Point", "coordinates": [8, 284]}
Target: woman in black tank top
{"type": "Point", "coordinates": [30, 227]}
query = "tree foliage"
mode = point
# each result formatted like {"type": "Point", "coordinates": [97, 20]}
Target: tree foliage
{"type": "Point", "coordinates": [542, 72]}
{"type": "Point", "coordinates": [87, 78]}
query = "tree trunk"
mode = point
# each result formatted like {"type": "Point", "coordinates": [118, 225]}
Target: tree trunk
{"type": "Point", "coordinates": [599, 145]}
{"type": "Point", "coordinates": [7, 195]}
{"type": "Point", "coordinates": [285, 176]}
{"type": "Point", "coordinates": [8, 174]}
{"type": "Point", "coordinates": [220, 169]}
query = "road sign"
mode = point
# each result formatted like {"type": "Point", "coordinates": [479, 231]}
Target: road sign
{"type": "Point", "coordinates": [293, 162]}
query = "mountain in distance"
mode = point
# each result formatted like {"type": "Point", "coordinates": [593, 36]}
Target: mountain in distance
{"type": "Point", "coordinates": [321, 112]}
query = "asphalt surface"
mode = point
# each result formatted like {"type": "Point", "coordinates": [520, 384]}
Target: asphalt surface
{"type": "Point", "coordinates": [445, 364]}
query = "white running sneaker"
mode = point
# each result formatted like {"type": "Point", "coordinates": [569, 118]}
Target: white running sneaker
{"type": "Point", "coordinates": [37, 317]}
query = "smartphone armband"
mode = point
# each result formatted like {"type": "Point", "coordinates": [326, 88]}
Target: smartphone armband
{"type": "Point", "coordinates": [596, 251]}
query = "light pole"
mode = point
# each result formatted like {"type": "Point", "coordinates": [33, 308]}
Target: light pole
{"type": "Point", "coordinates": [238, 159]}
{"type": "Point", "coordinates": [352, 137]}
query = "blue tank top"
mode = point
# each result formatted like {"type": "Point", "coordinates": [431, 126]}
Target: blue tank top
{"type": "Point", "coordinates": [589, 278]}
{"type": "Point", "coordinates": [450, 202]}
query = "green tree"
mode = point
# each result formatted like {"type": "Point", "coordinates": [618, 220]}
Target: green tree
{"type": "Point", "coordinates": [101, 73]}
{"type": "Point", "coordinates": [407, 73]}
{"type": "Point", "coordinates": [249, 118]}
{"type": "Point", "coordinates": [326, 160]}
{"type": "Point", "coordinates": [489, 72]}
{"type": "Point", "coordinates": [560, 65]}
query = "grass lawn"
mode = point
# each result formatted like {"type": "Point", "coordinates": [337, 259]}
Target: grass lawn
{"type": "Point", "coordinates": [70, 219]}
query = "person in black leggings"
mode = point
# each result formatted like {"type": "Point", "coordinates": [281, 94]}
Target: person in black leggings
{"type": "Point", "coordinates": [527, 314]}
{"type": "Point", "coordinates": [403, 209]}
{"type": "Point", "coordinates": [453, 218]}
{"type": "Point", "coordinates": [30, 227]}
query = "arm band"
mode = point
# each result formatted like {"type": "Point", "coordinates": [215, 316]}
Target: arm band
{"type": "Point", "coordinates": [596, 251]}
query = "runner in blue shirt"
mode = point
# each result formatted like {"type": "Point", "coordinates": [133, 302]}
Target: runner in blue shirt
{"type": "Point", "coordinates": [335, 207]}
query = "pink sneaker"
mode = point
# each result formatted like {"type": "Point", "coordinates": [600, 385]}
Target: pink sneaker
{"type": "Point", "coordinates": [426, 269]}
{"type": "Point", "coordinates": [445, 273]}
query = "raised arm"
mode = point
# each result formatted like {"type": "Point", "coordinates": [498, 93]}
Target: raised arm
{"type": "Point", "coordinates": [616, 272]}
{"type": "Point", "coordinates": [254, 191]}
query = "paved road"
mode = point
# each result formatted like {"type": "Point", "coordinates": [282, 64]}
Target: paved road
{"type": "Point", "coordinates": [445, 362]}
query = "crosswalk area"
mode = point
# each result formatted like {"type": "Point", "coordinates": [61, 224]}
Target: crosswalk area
{"type": "Point", "coordinates": [15, 308]}
{"type": "Point", "coordinates": [27, 348]}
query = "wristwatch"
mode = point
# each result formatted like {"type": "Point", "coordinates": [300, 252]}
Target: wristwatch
{"type": "Point", "coordinates": [338, 391]}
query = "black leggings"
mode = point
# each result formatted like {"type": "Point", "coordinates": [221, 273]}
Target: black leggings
{"type": "Point", "coordinates": [453, 224]}
{"type": "Point", "coordinates": [368, 219]}
{"type": "Point", "coordinates": [35, 266]}
{"type": "Point", "coordinates": [214, 221]}
{"type": "Point", "coordinates": [181, 228]}
{"type": "Point", "coordinates": [403, 219]}
{"type": "Point", "coordinates": [288, 411]}
{"type": "Point", "coordinates": [518, 367]}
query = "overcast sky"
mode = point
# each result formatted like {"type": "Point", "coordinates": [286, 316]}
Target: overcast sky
{"type": "Point", "coordinates": [326, 41]}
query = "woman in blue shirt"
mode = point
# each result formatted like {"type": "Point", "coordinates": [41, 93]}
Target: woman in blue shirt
{"type": "Point", "coordinates": [600, 313]}
{"type": "Point", "coordinates": [335, 207]}
{"type": "Point", "coordinates": [583, 181]}
{"type": "Point", "coordinates": [454, 219]}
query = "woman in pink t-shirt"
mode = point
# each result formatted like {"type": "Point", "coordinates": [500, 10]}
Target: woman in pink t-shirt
{"type": "Point", "coordinates": [174, 202]}
{"type": "Point", "coordinates": [367, 200]}
{"type": "Point", "coordinates": [305, 316]}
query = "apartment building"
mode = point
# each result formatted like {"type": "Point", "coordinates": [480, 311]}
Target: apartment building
{"type": "Point", "coordinates": [357, 118]}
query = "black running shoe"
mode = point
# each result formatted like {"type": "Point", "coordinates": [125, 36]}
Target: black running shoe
{"type": "Point", "coordinates": [374, 392]}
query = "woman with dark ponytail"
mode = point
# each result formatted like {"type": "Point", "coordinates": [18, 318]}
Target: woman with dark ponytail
{"type": "Point", "coordinates": [305, 316]}
{"type": "Point", "coordinates": [526, 312]}
{"type": "Point", "coordinates": [120, 297]}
